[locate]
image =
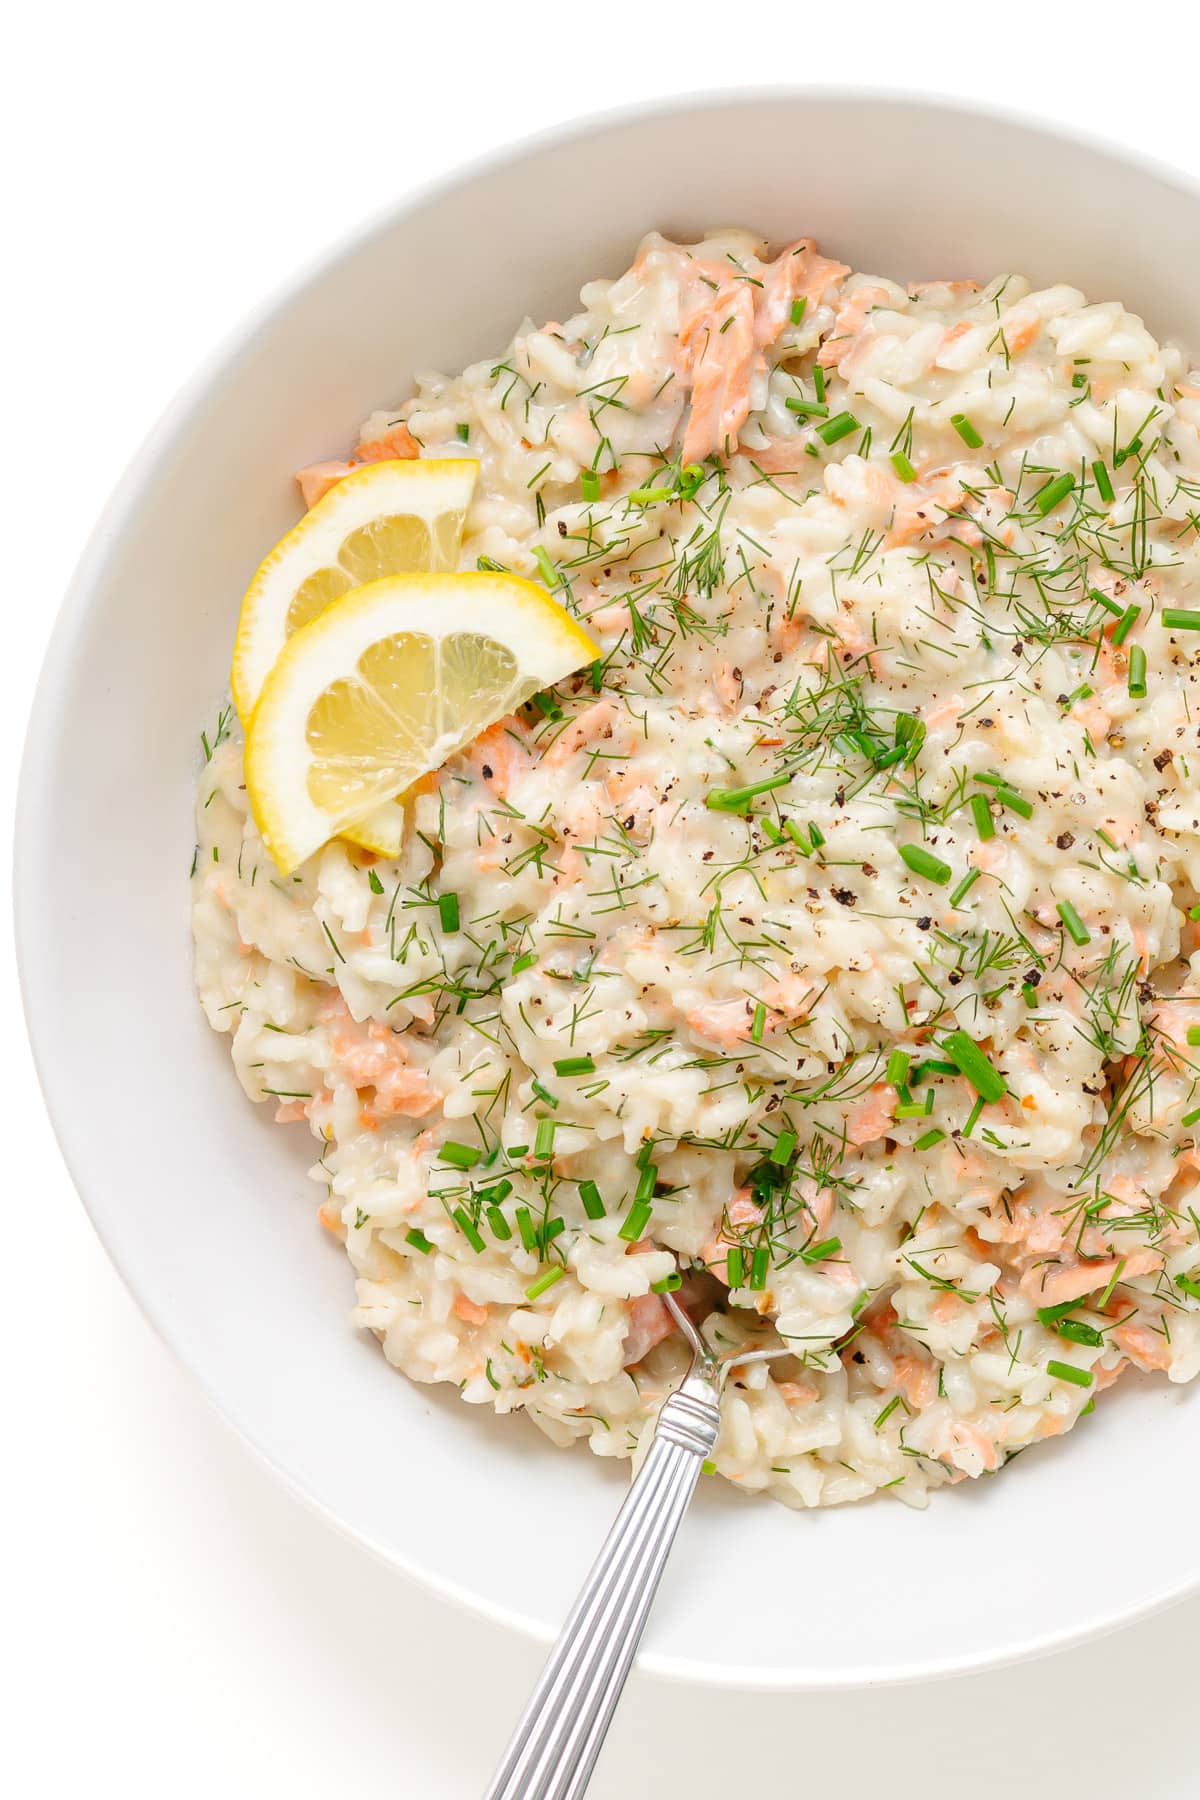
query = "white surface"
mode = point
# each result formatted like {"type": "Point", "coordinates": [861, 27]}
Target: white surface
{"type": "Point", "coordinates": [178, 1610]}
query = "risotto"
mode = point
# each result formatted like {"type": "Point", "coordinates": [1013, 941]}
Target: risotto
{"type": "Point", "coordinates": [829, 950]}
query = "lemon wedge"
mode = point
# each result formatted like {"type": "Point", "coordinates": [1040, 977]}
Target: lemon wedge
{"type": "Point", "coordinates": [387, 518]}
{"type": "Point", "coordinates": [386, 683]}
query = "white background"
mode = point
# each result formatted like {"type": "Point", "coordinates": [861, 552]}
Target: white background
{"type": "Point", "coordinates": [177, 1624]}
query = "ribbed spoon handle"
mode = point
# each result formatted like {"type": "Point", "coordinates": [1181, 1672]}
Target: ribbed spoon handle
{"type": "Point", "coordinates": [555, 1746]}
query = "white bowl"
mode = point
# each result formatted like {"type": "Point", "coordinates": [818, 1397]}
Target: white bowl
{"type": "Point", "coordinates": [204, 1204]}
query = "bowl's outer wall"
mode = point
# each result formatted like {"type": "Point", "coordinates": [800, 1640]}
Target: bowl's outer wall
{"type": "Point", "coordinates": [205, 1205]}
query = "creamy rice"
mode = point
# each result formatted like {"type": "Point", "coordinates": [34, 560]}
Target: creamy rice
{"type": "Point", "coordinates": [898, 1042]}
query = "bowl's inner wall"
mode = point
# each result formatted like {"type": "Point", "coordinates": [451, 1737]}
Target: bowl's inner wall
{"type": "Point", "coordinates": [205, 1204]}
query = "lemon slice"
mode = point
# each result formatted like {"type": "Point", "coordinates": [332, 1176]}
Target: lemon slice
{"type": "Point", "coordinates": [386, 683]}
{"type": "Point", "coordinates": [386, 519]}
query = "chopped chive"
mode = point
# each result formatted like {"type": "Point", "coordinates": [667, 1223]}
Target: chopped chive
{"type": "Point", "coordinates": [448, 911]}
{"type": "Point", "coordinates": [1191, 1117]}
{"type": "Point", "coordinates": [810, 409]}
{"type": "Point", "coordinates": [916, 1109]}
{"type": "Point", "coordinates": [758, 1024]}
{"type": "Point", "coordinates": [910, 735]}
{"type": "Point", "coordinates": [546, 568]}
{"type": "Point", "coordinates": [418, 1240]}
{"type": "Point", "coordinates": [499, 1224]}
{"type": "Point", "coordinates": [527, 1228]}
{"type": "Point", "coordinates": [1014, 802]}
{"type": "Point", "coordinates": [1193, 1035]}
{"type": "Point", "coordinates": [462, 432]}
{"type": "Point", "coordinates": [858, 740]}
{"type": "Point", "coordinates": [897, 1067]}
{"type": "Point", "coordinates": [1082, 692]}
{"type": "Point", "coordinates": [771, 830]}
{"type": "Point", "coordinates": [589, 484]}
{"type": "Point", "coordinates": [551, 1229]}
{"type": "Point", "coordinates": [691, 480]}
{"type": "Point", "coordinates": [1049, 1316]}
{"type": "Point", "coordinates": [574, 1065]}
{"type": "Point", "coordinates": [1062, 1371]}
{"type": "Point", "coordinates": [646, 1182]}
{"type": "Point", "coordinates": [798, 307]}
{"type": "Point", "coordinates": [782, 1148]}
{"type": "Point", "coordinates": [1090, 1407]}
{"type": "Point", "coordinates": [737, 799]}
{"type": "Point", "coordinates": [840, 426]}
{"type": "Point", "coordinates": [735, 1267]}
{"type": "Point", "coordinates": [1137, 672]}
{"type": "Point", "coordinates": [460, 1156]}
{"type": "Point", "coordinates": [597, 674]}
{"type": "Point", "coordinates": [966, 431]}
{"type": "Point", "coordinates": [1029, 994]}
{"type": "Point", "coordinates": [646, 496]}
{"type": "Point", "coordinates": [898, 753]}
{"type": "Point", "coordinates": [500, 1190]}
{"type": "Point", "coordinates": [547, 706]}
{"type": "Point", "coordinates": [1055, 490]}
{"type": "Point", "coordinates": [525, 961]}
{"type": "Point", "coordinates": [1188, 1286]}
{"type": "Point", "coordinates": [983, 1076]}
{"type": "Point", "coordinates": [543, 1139]}
{"type": "Point", "coordinates": [1103, 481]}
{"type": "Point", "coordinates": [760, 1262]}
{"type": "Point", "coordinates": [668, 1284]}
{"type": "Point", "coordinates": [373, 882]}
{"type": "Point", "coordinates": [821, 1252]}
{"type": "Point", "coordinates": [1177, 618]}
{"type": "Point", "coordinates": [468, 1228]}
{"type": "Point", "coordinates": [537, 1288]}
{"type": "Point", "coordinates": [818, 375]}
{"type": "Point", "coordinates": [516, 1150]}
{"type": "Point", "coordinates": [543, 1094]}
{"type": "Point", "coordinates": [1110, 606]}
{"type": "Point", "coordinates": [1006, 796]}
{"type": "Point", "coordinates": [1126, 623]}
{"type": "Point", "coordinates": [932, 1066]}
{"type": "Point", "coordinates": [928, 1139]}
{"type": "Point", "coordinates": [924, 862]}
{"type": "Point", "coordinates": [981, 812]}
{"type": "Point", "coordinates": [902, 466]}
{"type": "Point", "coordinates": [973, 1117]}
{"type": "Point", "coordinates": [591, 1199]}
{"type": "Point", "coordinates": [636, 1220]}
{"type": "Point", "coordinates": [969, 879]}
{"type": "Point", "coordinates": [1076, 929]}
{"type": "Point", "coordinates": [1076, 1332]}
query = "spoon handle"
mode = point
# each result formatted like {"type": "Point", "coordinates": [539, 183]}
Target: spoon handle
{"type": "Point", "coordinates": [554, 1748]}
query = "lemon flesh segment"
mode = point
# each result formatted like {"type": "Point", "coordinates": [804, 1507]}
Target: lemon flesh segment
{"type": "Point", "coordinates": [386, 683]}
{"type": "Point", "coordinates": [473, 666]}
{"type": "Point", "coordinates": [387, 518]}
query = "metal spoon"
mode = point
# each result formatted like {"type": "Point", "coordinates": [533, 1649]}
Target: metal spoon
{"type": "Point", "coordinates": [554, 1748]}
